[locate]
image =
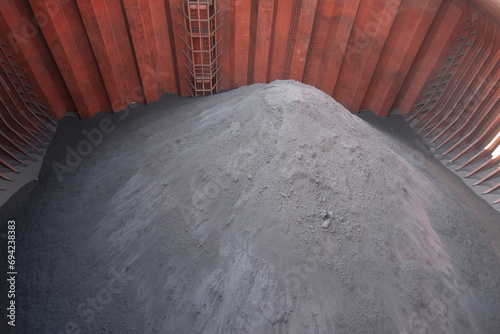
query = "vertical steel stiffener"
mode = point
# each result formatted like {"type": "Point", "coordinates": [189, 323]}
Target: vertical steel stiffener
{"type": "Point", "coordinates": [200, 23]}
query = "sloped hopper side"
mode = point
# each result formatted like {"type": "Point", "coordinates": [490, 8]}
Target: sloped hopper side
{"type": "Point", "coordinates": [459, 111]}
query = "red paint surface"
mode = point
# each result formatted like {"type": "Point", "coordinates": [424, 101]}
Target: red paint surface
{"type": "Point", "coordinates": [263, 40]}
{"type": "Point", "coordinates": [408, 32]}
{"type": "Point", "coordinates": [435, 48]}
{"type": "Point", "coordinates": [93, 56]}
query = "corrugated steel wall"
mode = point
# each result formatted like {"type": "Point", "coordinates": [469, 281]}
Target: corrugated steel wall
{"type": "Point", "coordinates": [94, 55]}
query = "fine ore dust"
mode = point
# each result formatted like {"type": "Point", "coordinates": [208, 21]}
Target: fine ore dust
{"type": "Point", "coordinates": [268, 209]}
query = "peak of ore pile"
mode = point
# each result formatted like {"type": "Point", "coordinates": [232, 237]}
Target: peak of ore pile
{"type": "Point", "coordinates": [268, 209]}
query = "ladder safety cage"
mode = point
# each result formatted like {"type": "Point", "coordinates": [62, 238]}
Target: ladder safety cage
{"type": "Point", "coordinates": [200, 24]}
